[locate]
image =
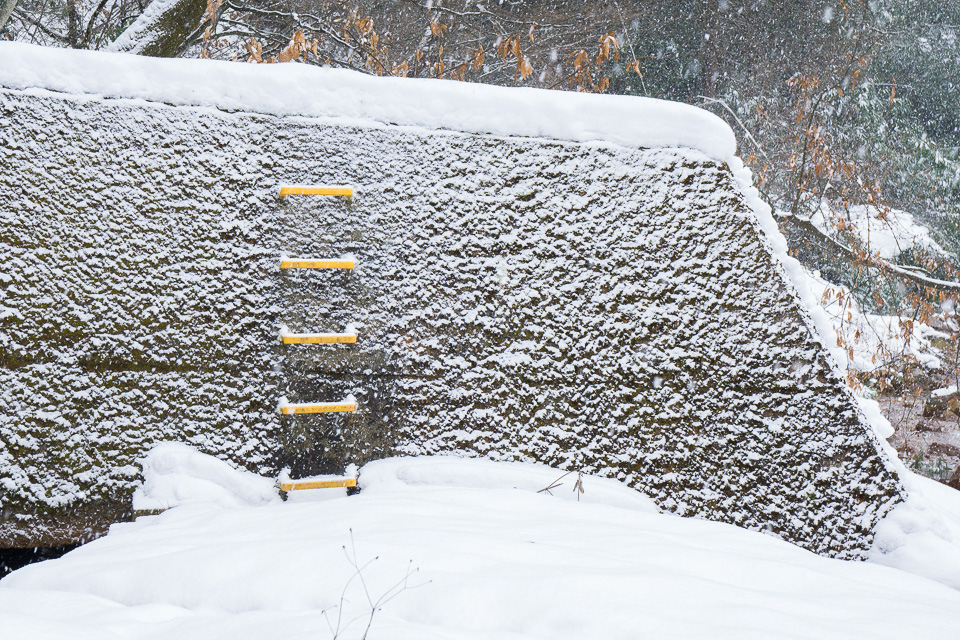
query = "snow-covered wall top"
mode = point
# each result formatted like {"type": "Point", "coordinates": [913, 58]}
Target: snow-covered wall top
{"type": "Point", "coordinates": [294, 89]}
{"type": "Point", "coordinates": [587, 305]}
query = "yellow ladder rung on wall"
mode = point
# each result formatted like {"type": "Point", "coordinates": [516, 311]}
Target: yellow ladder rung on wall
{"type": "Point", "coordinates": [312, 263]}
{"type": "Point", "coordinates": [318, 338]}
{"type": "Point", "coordinates": [295, 485]}
{"type": "Point", "coordinates": [318, 407]}
{"type": "Point", "coordinates": [315, 190]}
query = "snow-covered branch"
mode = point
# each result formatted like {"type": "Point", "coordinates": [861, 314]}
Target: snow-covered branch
{"type": "Point", "coordinates": [894, 270]}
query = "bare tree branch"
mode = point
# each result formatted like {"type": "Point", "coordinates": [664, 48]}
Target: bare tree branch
{"type": "Point", "coordinates": [38, 24]}
{"type": "Point", "coordinates": [894, 270]}
{"type": "Point", "coordinates": [93, 16]}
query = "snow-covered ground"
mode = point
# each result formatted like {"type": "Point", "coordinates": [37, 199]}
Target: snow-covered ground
{"type": "Point", "coordinates": [456, 549]}
{"type": "Point", "coordinates": [922, 535]}
{"type": "Point", "coordinates": [859, 340]}
{"type": "Point", "coordinates": [887, 233]}
{"type": "Point", "coordinates": [868, 339]}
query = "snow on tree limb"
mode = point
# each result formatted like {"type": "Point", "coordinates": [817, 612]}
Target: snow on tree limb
{"type": "Point", "coordinates": [890, 268]}
{"type": "Point", "coordinates": [162, 29]}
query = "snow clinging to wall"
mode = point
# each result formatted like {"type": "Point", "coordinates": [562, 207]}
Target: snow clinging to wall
{"type": "Point", "coordinates": [583, 304]}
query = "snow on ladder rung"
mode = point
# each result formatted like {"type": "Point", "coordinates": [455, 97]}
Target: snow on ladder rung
{"type": "Point", "coordinates": [344, 406]}
{"type": "Point", "coordinates": [349, 479]}
{"type": "Point", "coordinates": [319, 338]}
{"type": "Point", "coordinates": [315, 190]}
{"type": "Point", "coordinates": [347, 337]}
{"type": "Point", "coordinates": [315, 263]}
{"type": "Point", "coordinates": [295, 485]}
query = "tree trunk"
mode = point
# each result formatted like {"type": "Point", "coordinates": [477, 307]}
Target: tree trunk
{"type": "Point", "coordinates": [73, 24]}
{"type": "Point", "coordinates": [162, 28]}
{"type": "Point", "coordinates": [6, 10]}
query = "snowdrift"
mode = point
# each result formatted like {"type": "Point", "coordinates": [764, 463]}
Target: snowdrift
{"type": "Point", "coordinates": [470, 550]}
{"type": "Point", "coordinates": [582, 281]}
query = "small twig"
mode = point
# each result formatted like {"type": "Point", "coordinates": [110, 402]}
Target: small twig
{"type": "Point", "coordinates": [578, 485]}
{"type": "Point", "coordinates": [375, 605]}
{"type": "Point", "coordinates": [553, 485]}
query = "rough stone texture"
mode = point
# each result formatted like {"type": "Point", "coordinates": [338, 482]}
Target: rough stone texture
{"type": "Point", "coordinates": [582, 305]}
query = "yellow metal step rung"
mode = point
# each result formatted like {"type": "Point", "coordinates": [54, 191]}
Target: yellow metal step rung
{"type": "Point", "coordinates": [315, 190]}
{"type": "Point", "coordinates": [318, 338]}
{"type": "Point", "coordinates": [295, 485]}
{"type": "Point", "coordinates": [313, 263]}
{"type": "Point", "coordinates": [345, 406]}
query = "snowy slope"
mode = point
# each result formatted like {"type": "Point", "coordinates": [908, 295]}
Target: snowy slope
{"type": "Point", "coordinates": [482, 554]}
{"type": "Point", "coordinates": [887, 233]}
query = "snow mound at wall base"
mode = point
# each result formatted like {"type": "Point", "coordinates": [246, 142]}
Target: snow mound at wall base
{"type": "Point", "coordinates": [922, 534]}
{"type": "Point", "coordinates": [402, 474]}
{"type": "Point", "coordinates": [175, 474]}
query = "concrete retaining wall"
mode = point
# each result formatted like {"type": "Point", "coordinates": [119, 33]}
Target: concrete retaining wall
{"type": "Point", "coordinates": [582, 305]}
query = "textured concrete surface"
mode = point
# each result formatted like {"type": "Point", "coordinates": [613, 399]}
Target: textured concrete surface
{"type": "Point", "coordinates": [583, 305]}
